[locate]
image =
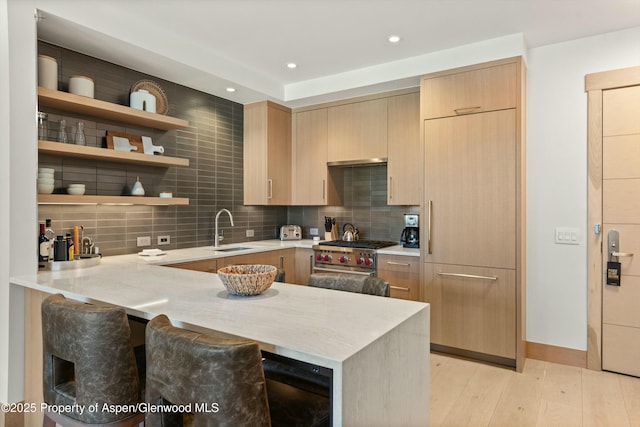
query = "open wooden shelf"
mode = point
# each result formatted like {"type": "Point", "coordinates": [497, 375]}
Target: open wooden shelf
{"type": "Point", "coordinates": [67, 199]}
{"type": "Point", "coordinates": [106, 110]}
{"type": "Point", "coordinates": [85, 152]}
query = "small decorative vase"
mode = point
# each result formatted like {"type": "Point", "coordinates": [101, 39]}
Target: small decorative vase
{"type": "Point", "coordinates": [142, 100]}
{"type": "Point", "coordinates": [137, 189]}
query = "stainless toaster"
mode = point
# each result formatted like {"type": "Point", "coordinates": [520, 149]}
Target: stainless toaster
{"type": "Point", "coordinates": [290, 232]}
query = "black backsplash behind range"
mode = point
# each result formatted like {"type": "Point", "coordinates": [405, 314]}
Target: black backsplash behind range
{"type": "Point", "coordinates": [213, 145]}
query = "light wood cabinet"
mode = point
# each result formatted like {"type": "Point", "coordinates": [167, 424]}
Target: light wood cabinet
{"type": "Point", "coordinates": [472, 91]}
{"type": "Point", "coordinates": [304, 265]}
{"type": "Point", "coordinates": [267, 154]}
{"type": "Point", "coordinates": [472, 308]}
{"type": "Point", "coordinates": [281, 258]}
{"type": "Point", "coordinates": [205, 265]}
{"type": "Point", "coordinates": [358, 131]}
{"type": "Point", "coordinates": [314, 183]}
{"type": "Point", "coordinates": [473, 236]}
{"type": "Point", "coordinates": [405, 157]}
{"type": "Point", "coordinates": [470, 181]}
{"type": "Point", "coordinates": [403, 275]}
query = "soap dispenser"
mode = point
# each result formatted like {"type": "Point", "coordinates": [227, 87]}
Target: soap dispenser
{"type": "Point", "coordinates": [137, 189]}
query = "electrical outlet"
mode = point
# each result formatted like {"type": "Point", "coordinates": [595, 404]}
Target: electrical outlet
{"type": "Point", "coordinates": [143, 241]}
{"type": "Point", "coordinates": [164, 240]}
{"type": "Point", "coordinates": [249, 233]}
{"type": "Point", "coordinates": [313, 231]}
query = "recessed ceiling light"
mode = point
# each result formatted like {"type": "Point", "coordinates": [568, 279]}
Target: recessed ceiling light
{"type": "Point", "coordinates": [231, 89]}
{"type": "Point", "coordinates": [394, 39]}
{"type": "Point", "coordinates": [292, 65]}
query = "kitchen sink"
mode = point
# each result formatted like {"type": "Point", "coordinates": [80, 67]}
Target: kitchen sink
{"type": "Point", "coordinates": [237, 248]}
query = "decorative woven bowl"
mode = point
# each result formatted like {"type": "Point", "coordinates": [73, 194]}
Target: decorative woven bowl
{"type": "Point", "coordinates": [249, 279]}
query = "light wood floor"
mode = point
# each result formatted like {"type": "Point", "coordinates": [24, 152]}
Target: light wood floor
{"type": "Point", "coordinates": [465, 393]}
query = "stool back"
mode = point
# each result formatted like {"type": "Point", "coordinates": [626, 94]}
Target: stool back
{"type": "Point", "coordinates": [191, 368]}
{"type": "Point", "coordinates": [351, 283]}
{"type": "Point", "coordinates": [88, 358]}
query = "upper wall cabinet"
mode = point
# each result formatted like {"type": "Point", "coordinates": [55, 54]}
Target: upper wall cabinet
{"type": "Point", "coordinates": [267, 154]}
{"type": "Point", "coordinates": [358, 131]}
{"type": "Point", "coordinates": [405, 159]}
{"type": "Point", "coordinates": [314, 183]}
{"type": "Point", "coordinates": [469, 92]}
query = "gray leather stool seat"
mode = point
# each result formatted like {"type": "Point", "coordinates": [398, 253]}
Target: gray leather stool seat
{"type": "Point", "coordinates": [190, 368]}
{"type": "Point", "coordinates": [351, 283]}
{"type": "Point", "coordinates": [88, 359]}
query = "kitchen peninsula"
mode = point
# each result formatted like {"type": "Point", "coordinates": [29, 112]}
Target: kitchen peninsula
{"type": "Point", "coordinates": [377, 348]}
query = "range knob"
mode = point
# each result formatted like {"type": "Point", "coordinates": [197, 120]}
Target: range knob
{"type": "Point", "coordinates": [327, 257]}
{"type": "Point", "coordinates": [360, 261]}
{"type": "Point", "coordinates": [344, 259]}
{"type": "Point", "coordinates": [368, 261]}
{"type": "Point", "coordinates": [319, 257]}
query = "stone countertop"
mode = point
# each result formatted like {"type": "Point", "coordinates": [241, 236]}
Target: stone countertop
{"type": "Point", "coordinates": [207, 252]}
{"type": "Point", "coordinates": [296, 321]}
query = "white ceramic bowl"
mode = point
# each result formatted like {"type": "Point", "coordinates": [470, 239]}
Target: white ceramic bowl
{"type": "Point", "coordinates": [46, 170]}
{"type": "Point", "coordinates": [76, 191]}
{"type": "Point", "coordinates": [76, 186]}
{"type": "Point", "coordinates": [45, 188]}
{"type": "Point", "coordinates": [46, 176]}
{"type": "Point", "coordinates": [46, 181]}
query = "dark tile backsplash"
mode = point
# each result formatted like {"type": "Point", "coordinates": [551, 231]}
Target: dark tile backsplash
{"type": "Point", "coordinates": [213, 143]}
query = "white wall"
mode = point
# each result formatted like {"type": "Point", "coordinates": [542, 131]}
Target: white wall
{"type": "Point", "coordinates": [18, 160]}
{"type": "Point", "coordinates": [557, 179]}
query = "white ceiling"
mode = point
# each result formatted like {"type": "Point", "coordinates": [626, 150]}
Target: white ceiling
{"type": "Point", "coordinates": [340, 46]}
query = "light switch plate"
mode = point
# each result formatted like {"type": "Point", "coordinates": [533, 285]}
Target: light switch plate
{"type": "Point", "coordinates": [567, 236]}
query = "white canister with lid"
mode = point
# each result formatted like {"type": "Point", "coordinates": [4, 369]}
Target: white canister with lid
{"type": "Point", "coordinates": [47, 72]}
{"type": "Point", "coordinates": [81, 85]}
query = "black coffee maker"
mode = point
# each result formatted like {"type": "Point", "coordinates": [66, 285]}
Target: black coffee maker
{"type": "Point", "coordinates": [411, 234]}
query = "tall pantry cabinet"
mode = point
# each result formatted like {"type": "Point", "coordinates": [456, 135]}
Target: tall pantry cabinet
{"type": "Point", "coordinates": [473, 242]}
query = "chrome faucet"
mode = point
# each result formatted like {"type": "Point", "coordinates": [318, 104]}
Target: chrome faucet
{"type": "Point", "coordinates": [216, 238]}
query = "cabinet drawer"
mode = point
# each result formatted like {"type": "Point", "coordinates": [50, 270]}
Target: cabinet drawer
{"type": "Point", "coordinates": [472, 308]}
{"type": "Point", "coordinates": [402, 273]}
{"type": "Point", "coordinates": [486, 89]}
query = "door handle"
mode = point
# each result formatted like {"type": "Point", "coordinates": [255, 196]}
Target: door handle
{"type": "Point", "coordinates": [613, 239]}
{"type": "Point", "coordinates": [621, 254]}
{"type": "Point", "coordinates": [270, 196]}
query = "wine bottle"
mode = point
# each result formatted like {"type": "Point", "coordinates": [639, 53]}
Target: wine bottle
{"type": "Point", "coordinates": [43, 246]}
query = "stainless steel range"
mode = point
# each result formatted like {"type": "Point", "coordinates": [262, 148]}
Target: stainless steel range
{"type": "Point", "coordinates": [354, 257]}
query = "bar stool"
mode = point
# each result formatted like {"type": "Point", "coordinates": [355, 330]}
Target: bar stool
{"type": "Point", "coordinates": [220, 380]}
{"type": "Point", "coordinates": [87, 360]}
{"type": "Point", "coordinates": [351, 283]}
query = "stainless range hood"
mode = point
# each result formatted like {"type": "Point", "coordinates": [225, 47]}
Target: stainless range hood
{"type": "Point", "coordinates": [361, 162]}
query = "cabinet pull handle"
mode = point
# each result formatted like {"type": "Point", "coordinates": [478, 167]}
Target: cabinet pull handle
{"type": "Point", "coordinates": [404, 264]}
{"type": "Point", "coordinates": [429, 249]}
{"type": "Point", "coordinates": [390, 188]}
{"type": "Point", "coordinates": [468, 276]}
{"type": "Point", "coordinates": [399, 288]}
{"type": "Point", "coordinates": [282, 262]}
{"type": "Point", "coordinates": [324, 184]}
{"type": "Point", "coordinates": [310, 264]}
{"type": "Point", "coordinates": [467, 110]}
{"type": "Point", "coordinates": [270, 189]}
